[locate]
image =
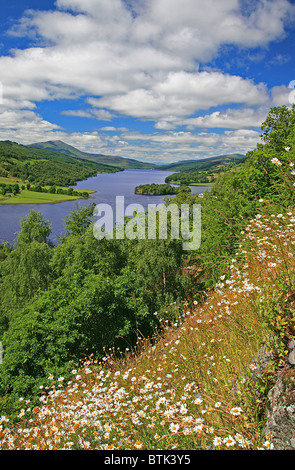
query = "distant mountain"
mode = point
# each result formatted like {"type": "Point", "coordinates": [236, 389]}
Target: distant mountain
{"type": "Point", "coordinates": [46, 167]}
{"type": "Point", "coordinates": [203, 164]}
{"type": "Point", "coordinates": [121, 162]}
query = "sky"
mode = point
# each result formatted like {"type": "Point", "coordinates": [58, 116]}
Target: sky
{"type": "Point", "coordinates": [156, 80]}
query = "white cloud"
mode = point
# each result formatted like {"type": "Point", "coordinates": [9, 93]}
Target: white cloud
{"type": "Point", "coordinates": [183, 94]}
{"type": "Point", "coordinates": [141, 59]}
{"type": "Point", "coordinates": [100, 114]}
{"type": "Point", "coordinates": [230, 119]}
{"type": "Point", "coordinates": [102, 50]}
{"type": "Point", "coordinates": [280, 95]}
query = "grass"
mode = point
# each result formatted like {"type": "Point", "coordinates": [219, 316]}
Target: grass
{"type": "Point", "coordinates": [31, 197]}
{"type": "Point", "coordinates": [195, 385]}
{"type": "Point", "coordinates": [9, 180]}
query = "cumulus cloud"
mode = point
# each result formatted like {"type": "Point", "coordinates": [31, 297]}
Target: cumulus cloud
{"type": "Point", "coordinates": [144, 60]}
{"type": "Point", "coordinates": [230, 119]}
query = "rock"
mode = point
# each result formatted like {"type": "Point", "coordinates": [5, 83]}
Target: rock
{"type": "Point", "coordinates": [280, 422]}
{"type": "Point", "coordinates": [291, 358]}
{"type": "Point", "coordinates": [291, 344]}
{"type": "Point", "coordinates": [260, 363]}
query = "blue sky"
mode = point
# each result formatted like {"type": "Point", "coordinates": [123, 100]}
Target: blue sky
{"type": "Point", "coordinates": [155, 80]}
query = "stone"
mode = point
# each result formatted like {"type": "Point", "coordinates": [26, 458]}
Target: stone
{"type": "Point", "coordinates": [280, 421]}
{"type": "Point", "coordinates": [291, 344]}
{"type": "Point", "coordinates": [291, 358]}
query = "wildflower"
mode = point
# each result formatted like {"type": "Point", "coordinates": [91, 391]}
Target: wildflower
{"type": "Point", "coordinates": [287, 150]}
{"type": "Point", "coordinates": [186, 431]}
{"type": "Point", "coordinates": [276, 161]}
{"type": "Point", "coordinates": [229, 441]}
{"type": "Point", "coordinates": [138, 445]}
{"type": "Point", "coordinates": [217, 441]}
{"type": "Point", "coordinates": [199, 420]}
{"type": "Point", "coordinates": [21, 414]}
{"type": "Point", "coordinates": [241, 440]}
{"type": "Point", "coordinates": [198, 428]}
{"type": "Point", "coordinates": [217, 404]}
{"type": "Point", "coordinates": [183, 409]}
{"type": "Point", "coordinates": [236, 411]}
{"type": "Point", "coordinates": [174, 427]}
{"type": "Point", "coordinates": [268, 445]}
{"type": "Point", "coordinates": [51, 377]}
{"type": "Point", "coordinates": [198, 401]}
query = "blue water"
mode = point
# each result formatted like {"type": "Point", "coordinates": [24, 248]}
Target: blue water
{"type": "Point", "coordinates": [106, 186]}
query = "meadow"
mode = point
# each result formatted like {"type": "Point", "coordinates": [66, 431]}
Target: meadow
{"type": "Point", "coordinates": [34, 197]}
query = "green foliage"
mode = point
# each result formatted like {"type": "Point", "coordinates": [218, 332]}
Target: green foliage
{"type": "Point", "coordinates": [9, 189]}
{"type": "Point", "coordinates": [206, 174]}
{"type": "Point", "coordinates": [61, 303]}
{"type": "Point", "coordinates": [160, 189]}
{"type": "Point", "coordinates": [46, 167]}
{"type": "Point", "coordinates": [54, 190]}
{"type": "Point", "coordinates": [234, 197]}
{"type": "Point", "coordinates": [26, 269]}
{"type": "Point", "coordinates": [79, 220]}
{"type": "Point", "coordinates": [33, 228]}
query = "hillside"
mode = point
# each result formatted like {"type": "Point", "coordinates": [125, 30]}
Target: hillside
{"type": "Point", "coordinates": [139, 343]}
{"type": "Point", "coordinates": [195, 385]}
{"type": "Point", "coordinates": [204, 164]}
{"type": "Point", "coordinates": [123, 163]}
{"type": "Point", "coordinates": [41, 166]}
{"type": "Point", "coordinates": [205, 172]}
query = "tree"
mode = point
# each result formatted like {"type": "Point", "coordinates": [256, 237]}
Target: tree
{"type": "Point", "coordinates": [277, 126]}
{"type": "Point", "coordinates": [33, 228]}
{"type": "Point", "coordinates": [25, 272]}
{"type": "Point", "coordinates": [79, 220]}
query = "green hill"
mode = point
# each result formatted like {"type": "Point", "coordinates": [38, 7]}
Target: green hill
{"type": "Point", "coordinates": [121, 162]}
{"type": "Point", "coordinates": [205, 171]}
{"type": "Point", "coordinates": [45, 167]}
{"type": "Point", "coordinates": [203, 164]}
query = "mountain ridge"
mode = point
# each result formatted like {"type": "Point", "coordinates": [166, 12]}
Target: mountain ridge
{"type": "Point", "coordinates": [122, 162]}
{"type": "Point", "coordinates": [203, 163]}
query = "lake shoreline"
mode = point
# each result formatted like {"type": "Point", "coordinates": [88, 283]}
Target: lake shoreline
{"type": "Point", "coordinates": [33, 197]}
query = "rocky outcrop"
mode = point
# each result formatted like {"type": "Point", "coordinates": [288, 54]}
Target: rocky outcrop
{"type": "Point", "coordinates": [280, 423]}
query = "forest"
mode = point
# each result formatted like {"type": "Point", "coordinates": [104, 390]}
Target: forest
{"type": "Point", "coordinates": [160, 189]}
{"type": "Point", "coordinates": [205, 176]}
{"type": "Point", "coordinates": [61, 304]}
{"type": "Point", "coordinates": [45, 167]}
